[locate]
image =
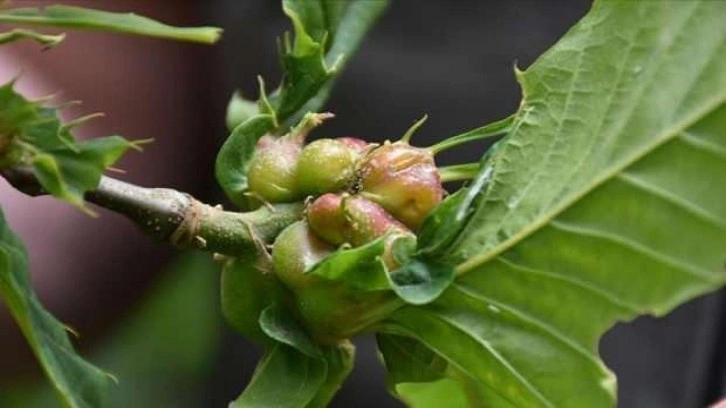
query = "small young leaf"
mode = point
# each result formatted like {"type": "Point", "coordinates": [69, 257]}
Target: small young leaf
{"type": "Point", "coordinates": [325, 30]}
{"type": "Point", "coordinates": [348, 21]}
{"type": "Point", "coordinates": [32, 135]}
{"type": "Point", "coordinates": [360, 269]}
{"type": "Point", "coordinates": [128, 23]}
{"type": "Point", "coordinates": [68, 174]}
{"type": "Point", "coordinates": [77, 382]}
{"type": "Point", "coordinates": [443, 225]}
{"type": "Point", "coordinates": [421, 281]}
{"type": "Point", "coordinates": [285, 377]}
{"type": "Point", "coordinates": [304, 68]}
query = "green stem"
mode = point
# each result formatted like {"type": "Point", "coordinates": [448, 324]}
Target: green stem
{"type": "Point", "coordinates": [175, 217]}
{"type": "Point", "coordinates": [458, 172]}
{"type": "Point", "coordinates": [493, 129]}
{"type": "Point", "coordinates": [406, 138]}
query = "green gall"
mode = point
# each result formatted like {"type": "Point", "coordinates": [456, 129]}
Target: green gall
{"type": "Point", "coordinates": [294, 251]}
{"type": "Point", "coordinates": [272, 170]}
{"type": "Point", "coordinates": [325, 165]}
{"type": "Point", "coordinates": [331, 313]}
{"type": "Point", "coordinates": [246, 290]}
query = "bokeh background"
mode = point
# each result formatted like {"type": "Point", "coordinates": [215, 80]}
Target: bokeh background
{"type": "Point", "coordinates": [152, 317]}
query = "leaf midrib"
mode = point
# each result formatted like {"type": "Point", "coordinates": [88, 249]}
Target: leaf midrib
{"type": "Point", "coordinates": [665, 136]}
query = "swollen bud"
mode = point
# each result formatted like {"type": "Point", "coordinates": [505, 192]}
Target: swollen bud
{"type": "Point", "coordinates": [273, 168]}
{"type": "Point", "coordinates": [354, 220]}
{"type": "Point", "coordinates": [327, 219]}
{"type": "Point", "coordinates": [404, 180]}
{"type": "Point", "coordinates": [325, 165]}
{"type": "Point", "coordinates": [295, 250]}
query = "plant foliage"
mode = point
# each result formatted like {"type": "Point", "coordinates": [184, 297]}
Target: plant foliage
{"type": "Point", "coordinates": [600, 205]}
{"type": "Point", "coordinates": [77, 382]}
{"type": "Point", "coordinates": [32, 134]}
{"type": "Point", "coordinates": [326, 32]}
{"type": "Point", "coordinates": [127, 23]}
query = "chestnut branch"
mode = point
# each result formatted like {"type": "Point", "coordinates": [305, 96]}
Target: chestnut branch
{"type": "Point", "coordinates": [178, 218]}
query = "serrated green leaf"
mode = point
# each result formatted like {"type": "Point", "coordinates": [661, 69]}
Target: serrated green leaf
{"type": "Point", "coordinates": [77, 382]}
{"type": "Point", "coordinates": [325, 31]}
{"type": "Point", "coordinates": [606, 202]}
{"type": "Point", "coordinates": [68, 173]}
{"type": "Point", "coordinates": [127, 23]}
{"type": "Point", "coordinates": [346, 23]}
{"type": "Point", "coordinates": [233, 159]}
{"type": "Point", "coordinates": [32, 135]}
{"type": "Point", "coordinates": [46, 40]}
{"type": "Point", "coordinates": [328, 32]}
{"type": "Point", "coordinates": [285, 377]}
{"type": "Point", "coordinates": [304, 68]}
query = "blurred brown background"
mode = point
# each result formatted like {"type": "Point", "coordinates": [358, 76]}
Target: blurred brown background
{"type": "Point", "coordinates": [452, 60]}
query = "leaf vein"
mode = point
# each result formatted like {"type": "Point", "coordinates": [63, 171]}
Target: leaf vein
{"type": "Point", "coordinates": [634, 246]}
{"type": "Point", "coordinates": [703, 145]}
{"type": "Point", "coordinates": [666, 135]}
{"type": "Point", "coordinates": [665, 195]}
{"type": "Point", "coordinates": [550, 330]}
{"type": "Point", "coordinates": [608, 296]}
{"type": "Point", "coordinates": [534, 391]}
